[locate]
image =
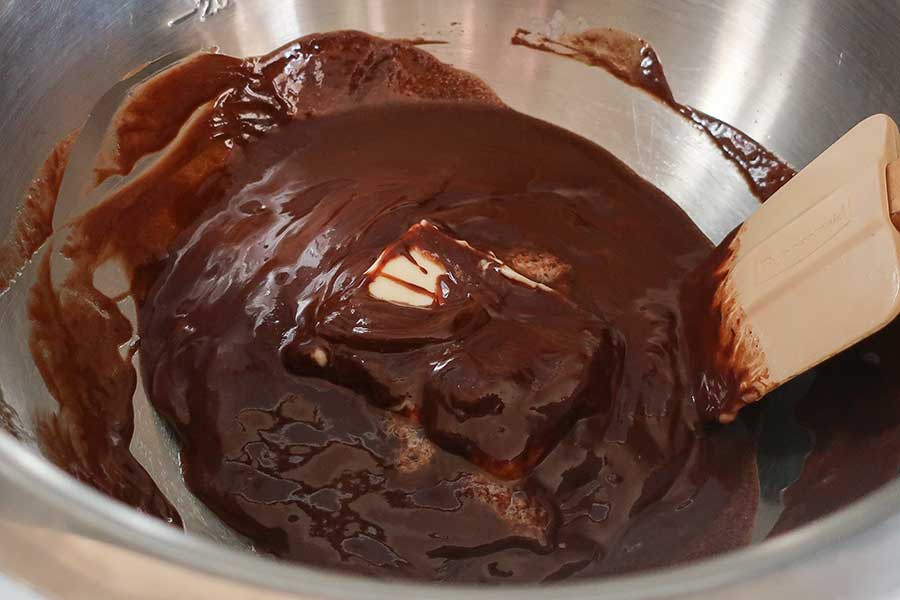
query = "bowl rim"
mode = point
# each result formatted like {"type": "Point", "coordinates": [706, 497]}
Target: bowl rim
{"type": "Point", "coordinates": [120, 523]}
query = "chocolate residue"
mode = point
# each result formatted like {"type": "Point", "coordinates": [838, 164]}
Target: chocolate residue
{"type": "Point", "coordinates": [34, 222]}
{"type": "Point", "coordinates": [75, 342]}
{"type": "Point", "coordinates": [634, 61]}
{"type": "Point", "coordinates": [518, 364]}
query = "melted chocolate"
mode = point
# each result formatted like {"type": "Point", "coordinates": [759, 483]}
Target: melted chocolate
{"type": "Point", "coordinates": [512, 433]}
{"type": "Point", "coordinates": [213, 105]}
{"type": "Point", "coordinates": [505, 432]}
{"type": "Point", "coordinates": [540, 445]}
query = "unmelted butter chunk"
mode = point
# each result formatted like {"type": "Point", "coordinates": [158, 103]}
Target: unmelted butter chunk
{"type": "Point", "coordinates": [492, 365]}
{"type": "Point", "coordinates": [407, 274]}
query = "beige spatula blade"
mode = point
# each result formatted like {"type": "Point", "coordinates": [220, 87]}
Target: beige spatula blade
{"type": "Point", "coordinates": [817, 267]}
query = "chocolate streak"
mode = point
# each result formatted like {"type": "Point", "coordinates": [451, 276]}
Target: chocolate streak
{"type": "Point", "coordinates": [34, 221]}
{"type": "Point", "coordinates": [634, 61]}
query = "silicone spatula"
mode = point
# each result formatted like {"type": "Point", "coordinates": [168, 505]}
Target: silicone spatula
{"type": "Point", "coordinates": [814, 270]}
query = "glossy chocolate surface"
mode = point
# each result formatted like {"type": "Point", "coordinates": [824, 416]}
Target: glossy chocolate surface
{"type": "Point", "coordinates": [504, 432]}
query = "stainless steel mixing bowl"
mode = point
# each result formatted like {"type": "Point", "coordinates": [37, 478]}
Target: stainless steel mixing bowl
{"type": "Point", "coordinates": [794, 75]}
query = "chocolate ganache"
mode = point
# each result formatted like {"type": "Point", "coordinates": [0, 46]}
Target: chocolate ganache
{"type": "Point", "coordinates": [398, 328]}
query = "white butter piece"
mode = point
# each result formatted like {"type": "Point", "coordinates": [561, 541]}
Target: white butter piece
{"type": "Point", "coordinates": [320, 357]}
{"type": "Point", "coordinates": [414, 278]}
